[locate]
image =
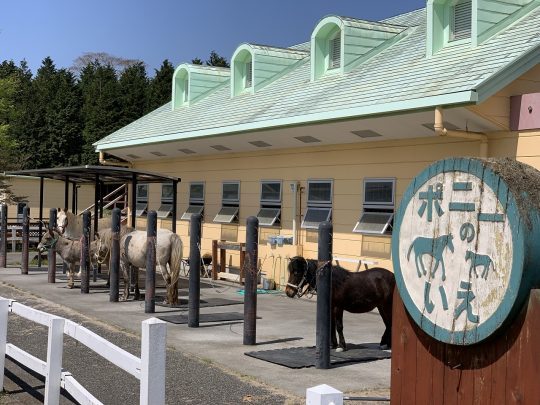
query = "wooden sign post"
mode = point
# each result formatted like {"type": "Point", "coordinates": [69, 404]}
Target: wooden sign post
{"type": "Point", "coordinates": [466, 254]}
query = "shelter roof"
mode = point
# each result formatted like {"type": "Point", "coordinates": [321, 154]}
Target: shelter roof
{"type": "Point", "coordinates": [88, 174]}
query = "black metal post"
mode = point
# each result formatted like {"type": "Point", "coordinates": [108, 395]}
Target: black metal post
{"type": "Point", "coordinates": [40, 216]}
{"type": "Point", "coordinates": [25, 239]}
{"type": "Point", "coordinates": [150, 289]}
{"type": "Point", "coordinates": [250, 286]}
{"type": "Point", "coordinates": [101, 195]}
{"type": "Point", "coordinates": [3, 235]}
{"type": "Point", "coordinates": [66, 205]}
{"type": "Point", "coordinates": [66, 193]}
{"type": "Point", "coordinates": [174, 202]}
{"type": "Point", "coordinates": [85, 254]}
{"type": "Point", "coordinates": [133, 200]}
{"type": "Point", "coordinates": [51, 255]}
{"type": "Point", "coordinates": [194, 271]}
{"type": "Point", "coordinates": [96, 203]}
{"type": "Point", "coordinates": [74, 198]}
{"type": "Point", "coordinates": [324, 296]}
{"type": "Point", "coordinates": [114, 270]}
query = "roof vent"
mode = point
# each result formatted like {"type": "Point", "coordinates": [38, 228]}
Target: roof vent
{"type": "Point", "coordinates": [187, 151]}
{"type": "Point", "coordinates": [307, 139]}
{"type": "Point", "coordinates": [158, 154]}
{"type": "Point", "coordinates": [366, 133]}
{"type": "Point", "coordinates": [260, 144]}
{"type": "Point", "coordinates": [220, 147]}
{"type": "Point", "coordinates": [133, 156]}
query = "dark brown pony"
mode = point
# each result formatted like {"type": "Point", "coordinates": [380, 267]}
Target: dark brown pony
{"type": "Point", "coordinates": [354, 292]}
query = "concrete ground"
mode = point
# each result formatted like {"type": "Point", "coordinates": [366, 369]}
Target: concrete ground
{"type": "Point", "coordinates": [284, 323]}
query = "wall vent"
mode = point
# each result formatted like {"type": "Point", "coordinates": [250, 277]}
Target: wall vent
{"type": "Point", "coordinates": [133, 156]}
{"type": "Point", "coordinates": [158, 154]}
{"type": "Point", "coordinates": [307, 139]}
{"type": "Point", "coordinates": [187, 151]}
{"type": "Point", "coordinates": [220, 147]}
{"type": "Point", "coordinates": [366, 133]}
{"type": "Point", "coordinates": [260, 144]}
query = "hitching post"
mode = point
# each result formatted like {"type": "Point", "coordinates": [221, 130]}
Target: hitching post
{"type": "Point", "coordinates": [3, 235]}
{"type": "Point", "coordinates": [150, 289]}
{"type": "Point", "coordinates": [85, 254]}
{"type": "Point", "coordinates": [114, 263]}
{"type": "Point", "coordinates": [51, 255]}
{"type": "Point", "coordinates": [66, 204]}
{"type": "Point", "coordinates": [41, 186]}
{"type": "Point", "coordinates": [194, 270]}
{"type": "Point", "coordinates": [250, 287]}
{"type": "Point", "coordinates": [324, 295]}
{"type": "Point", "coordinates": [25, 239]}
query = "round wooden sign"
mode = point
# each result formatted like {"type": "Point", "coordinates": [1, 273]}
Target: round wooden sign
{"type": "Point", "coordinates": [459, 247]}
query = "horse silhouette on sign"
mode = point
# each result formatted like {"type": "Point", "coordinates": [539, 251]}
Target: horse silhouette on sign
{"type": "Point", "coordinates": [478, 260]}
{"type": "Point", "coordinates": [433, 247]}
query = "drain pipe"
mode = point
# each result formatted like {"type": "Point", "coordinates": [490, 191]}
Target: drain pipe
{"type": "Point", "coordinates": [294, 190]}
{"type": "Point", "coordinates": [476, 136]}
{"type": "Point", "coordinates": [106, 162]}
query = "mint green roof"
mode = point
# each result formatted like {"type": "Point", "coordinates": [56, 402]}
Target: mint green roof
{"type": "Point", "coordinates": [399, 78]}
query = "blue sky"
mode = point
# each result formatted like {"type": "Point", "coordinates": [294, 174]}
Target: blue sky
{"type": "Point", "coordinates": [177, 30]}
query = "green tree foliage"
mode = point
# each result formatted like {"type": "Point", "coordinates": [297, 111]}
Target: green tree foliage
{"type": "Point", "coordinates": [217, 60]}
{"type": "Point", "coordinates": [159, 88]}
{"type": "Point", "coordinates": [133, 87]}
{"type": "Point", "coordinates": [8, 145]}
{"type": "Point", "coordinates": [101, 106]}
{"type": "Point", "coordinates": [197, 61]}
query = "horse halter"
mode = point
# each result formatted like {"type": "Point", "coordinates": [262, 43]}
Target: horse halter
{"type": "Point", "coordinates": [299, 287]}
{"type": "Point", "coordinates": [99, 258]}
{"type": "Point", "coordinates": [52, 244]}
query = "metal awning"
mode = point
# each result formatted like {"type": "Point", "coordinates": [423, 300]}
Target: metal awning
{"type": "Point", "coordinates": [99, 175]}
{"type": "Point", "coordinates": [87, 174]}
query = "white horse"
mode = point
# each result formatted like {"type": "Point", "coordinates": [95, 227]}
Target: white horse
{"type": "Point", "coordinates": [168, 251]}
{"type": "Point", "coordinates": [70, 225]}
{"type": "Point", "coordinates": [68, 249]}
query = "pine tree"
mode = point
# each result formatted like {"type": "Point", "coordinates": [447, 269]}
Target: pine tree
{"type": "Point", "coordinates": [133, 86]}
{"type": "Point", "coordinates": [160, 86]}
{"type": "Point", "coordinates": [101, 106]}
{"type": "Point", "coordinates": [217, 60]}
{"type": "Point", "coordinates": [8, 144]}
{"type": "Point", "coordinates": [21, 122]}
{"type": "Point", "coordinates": [196, 61]}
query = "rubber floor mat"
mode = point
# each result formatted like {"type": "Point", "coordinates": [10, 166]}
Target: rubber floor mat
{"type": "Point", "coordinates": [301, 357]}
{"type": "Point", "coordinates": [204, 303]}
{"type": "Point", "coordinates": [203, 318]}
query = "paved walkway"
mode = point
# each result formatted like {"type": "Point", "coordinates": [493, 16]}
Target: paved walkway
{"type": "Point", "coordinates": [205, 364]}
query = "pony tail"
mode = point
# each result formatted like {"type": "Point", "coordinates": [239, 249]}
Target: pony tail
{"type": "Point", "coordinates": [176, 256]}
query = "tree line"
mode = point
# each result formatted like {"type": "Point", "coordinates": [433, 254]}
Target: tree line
{"type": "Point", "coordinates": [52, 118]}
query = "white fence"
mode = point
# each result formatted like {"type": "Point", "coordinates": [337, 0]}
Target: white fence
{"type": "Point", "coordinates": [149, 369]}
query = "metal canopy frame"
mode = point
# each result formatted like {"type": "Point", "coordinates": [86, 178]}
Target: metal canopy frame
{"type": "Point", "coordinates": [99, 176]}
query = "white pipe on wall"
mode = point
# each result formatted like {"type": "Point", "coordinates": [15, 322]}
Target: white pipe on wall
{"type": "Point", "coordinates": [442, 131]}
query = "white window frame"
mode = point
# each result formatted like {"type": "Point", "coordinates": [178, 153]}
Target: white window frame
{"type": "Point", "coordinates": [196, 205]}
{"type": "Point", "coordinates": [318, 205]}
{"type": "Point", "coordinates": [380, 205]}
{"type": "Point", "coordinates": [141, 203]}
{"type": "Point", "coordinates": [165, 208]}
{"type": "Point", "coordinates": [228, 204]}
{"type": "Point", "coordinates": [270, 204]}
{"type": "Point", "coordinates": [383, 209]}
{"type": "Point", "coordinates": [331, 52]}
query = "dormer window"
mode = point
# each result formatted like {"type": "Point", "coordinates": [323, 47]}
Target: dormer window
{"type": "Point", "coordinates": [180, 88]}
{"type": "Point", "coordinates": [242, 71]}
{"type": "Point", "coordinates": [334, 52]}
{"type": "Point", "coordinates": [460, 21]}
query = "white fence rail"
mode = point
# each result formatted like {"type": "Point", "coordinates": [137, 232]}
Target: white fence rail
{"type": "Point", "coordinates": [149, 369]}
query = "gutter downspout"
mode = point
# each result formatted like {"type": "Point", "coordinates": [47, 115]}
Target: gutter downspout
{"type": "Point", "coordinates": [106, 162]}
{"type": "Point", "coordinates": [476, 136]}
